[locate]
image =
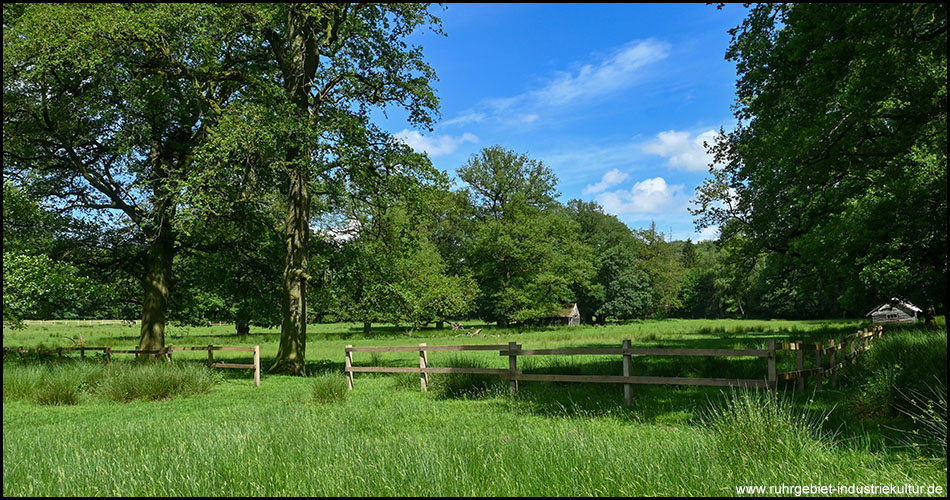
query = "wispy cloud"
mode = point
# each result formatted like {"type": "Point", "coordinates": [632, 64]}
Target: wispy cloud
{"type": "Point", "coordinates": [610, 179]}
{"type": "Point", "coordinates": [620, 70]}
{"type": "Point", "coordinates": [465, 119]}
{"type": "Point", "coordinates": [682, 149]}
{"type": "Point", "coordinates": [611, 74]}
{"type": "Point", "coordinates": [649, 196]}
{"type": "Point", "coordinates": [434, 145]}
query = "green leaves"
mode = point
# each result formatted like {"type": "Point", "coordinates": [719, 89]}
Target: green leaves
{"type": "Point", "coordinates": [840, 161]}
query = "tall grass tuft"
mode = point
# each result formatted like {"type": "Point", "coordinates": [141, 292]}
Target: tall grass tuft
{"type": "Point", "coordinates": [928, 412]}
{"type": "Point", "coordinates": [21, 381]}
{"type": "Point", "coordinates": [754, 430]}
{"type": "Point", "coordinates": [329, 388]}
{"type": "Point", "coordinates": [464, 385]}
{"type": "Point", "coordinates": [900, 361]}
{"type": "Point", "coordinates": [156, 381]}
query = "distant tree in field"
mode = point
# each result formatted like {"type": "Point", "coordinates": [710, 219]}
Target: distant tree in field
{"type": "Point", "coordinates": [524, 250]}
{"type": "Point", "coordinates": [664, 268]}
{"type": "Point", "coordinates": [391, 270]}
{"type": "Point", "coordinates": [840, 159]}
{"type": "Point", "coordinates": [619, 287]}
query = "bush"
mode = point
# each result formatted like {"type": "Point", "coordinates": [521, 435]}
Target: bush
{"type": "Point", "coordinates": [329, 388]}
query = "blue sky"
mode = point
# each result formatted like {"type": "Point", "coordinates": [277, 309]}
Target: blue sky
{"type": "Point", "coordinates": [615, 98]}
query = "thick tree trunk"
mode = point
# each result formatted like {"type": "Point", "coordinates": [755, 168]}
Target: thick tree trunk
{"type": "Point", "coordinates": [298, 70]}
{"type": "Point", "coordinates": [367, 328]}
{"type": "Point", "coordinates": [291, 354]}
{"type": "Point", "coordinates": [602, 320]}
{"type": "Point", "coordinates": [439, 325]}
{"type": "Point", "coordinates": [157, 282]}
{"type": "Point", "coordinates": [502, 322]}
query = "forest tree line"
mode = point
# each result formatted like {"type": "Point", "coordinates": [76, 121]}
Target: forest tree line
{"type": "Point", "coordinates": [203, 162]}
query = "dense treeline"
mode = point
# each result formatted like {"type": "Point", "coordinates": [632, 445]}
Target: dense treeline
{"type": "Point", "coordinates": [217, 162]}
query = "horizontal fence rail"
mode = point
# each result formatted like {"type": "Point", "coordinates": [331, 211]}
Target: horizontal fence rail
{"type": "Point", "coordinates": [846, 350]}
{"type": "Point", "coordinates": [167, 352]}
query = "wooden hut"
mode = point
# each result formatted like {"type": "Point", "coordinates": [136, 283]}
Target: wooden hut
{"type": "Point", "coordinates": [570, 315]}
{"type": "Point", "coordinates": [895, 311]}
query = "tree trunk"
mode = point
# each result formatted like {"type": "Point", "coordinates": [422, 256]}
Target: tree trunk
{"type": "Point", "coordinates": [602, 319]}
{"type": "Point", "coordinates": [157, 283]}
{"type": "Point", "coordinates": [439, 325]}
{"type": "Point", "coordinates": [291, 354]}
{"type": "Point", "coordinates": [502, 322]}
{"type": "Point", "coordinates": [298, 72]}
{"type": "Point", "coordinates": [367, 328]}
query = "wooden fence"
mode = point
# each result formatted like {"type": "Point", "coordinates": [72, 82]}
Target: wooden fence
{"type": "Point", "coordinates": [166, 352]}
{"type": "Point", "coordinates": [848, 347]}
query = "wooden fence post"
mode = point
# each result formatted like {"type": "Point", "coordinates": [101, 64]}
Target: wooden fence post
{"type": "Point", "coordinates": [210, 355]}
{"type": "Point", "coordinates": [82, 352]}
{"type": "Point", "coordinates": [800, 366]}
{"type": "Point", "coordinates": [772, 375]}
{"type": "Point", "coordinates": [854, 348]}
{"type": "Point", "coordinates": [257, 366]}
{"type": "Point", "coordinates": [513, 368]}
{"type": "Point", "coordinates": [349, 364]}
{"type": "Point", "coordinates": [423, 363]}
{"type": "Point", "coordinates": [59, 351]}
{"type": "Point", "coordinates": [627, 371]}
{"type": "Point", "coordinates": [108, 353]}
{"type": "Point", "coordinates": [168, 352]}
{"type": "Point", "coordinates": [832, 351]}
{"type": "Point", "coordinates": [819, 352]}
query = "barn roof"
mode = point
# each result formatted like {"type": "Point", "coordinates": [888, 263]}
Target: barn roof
{"type": "Point", "coordinates": [568, 310]}
{"type": "Point", "coordinates": [898, 302]}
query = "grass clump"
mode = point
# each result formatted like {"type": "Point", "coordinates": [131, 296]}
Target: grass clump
{"type": "Point", "coordinates": [329, 388]}
{"type": "Point", "coordinates": [901, 361]}
{"type": "Point", "coordinates": [464, 385]}
{"type": "Point", "coordinates": [755, 431]}
{"type": "Point", "coordinates": [21, 381]}
{"type": "Point", "coordinates": [927, 410]}
{"type": "Point", "coordinates": [156, 381]}
{"type": "Point", "coordinates": [58, 387]}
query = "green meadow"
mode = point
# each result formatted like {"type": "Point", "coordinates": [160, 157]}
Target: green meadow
{"type": "Point", "coordinates": [83, 428]}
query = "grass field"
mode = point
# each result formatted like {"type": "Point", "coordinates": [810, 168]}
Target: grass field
{"type": "Point", "coordinates": [308, 436]}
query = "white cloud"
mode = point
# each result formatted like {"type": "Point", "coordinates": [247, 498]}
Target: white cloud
{"type": "Point", "coordinates": [470, 117]}
{"type": "Point", "coordinates": [434, 145]}
{"type": "Point", "coordinates": [527, 118]}
{"type": "Point", "coordinates": [650, 196]}
{"type": "Point", "coordinates": [682, 150]}
{"type": "Point", "coordinates": [614, 73]}
{"type": "Point", "coordinates": [709, 233]}
{"type": "Point", "coordinates": [610, 179]}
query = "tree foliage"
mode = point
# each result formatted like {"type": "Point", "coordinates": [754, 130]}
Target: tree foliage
{"type": "Point", "coordinates": [839, 161]}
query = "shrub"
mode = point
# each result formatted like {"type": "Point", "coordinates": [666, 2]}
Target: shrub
{"type": "Point", "coordinates": [329, 388]}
